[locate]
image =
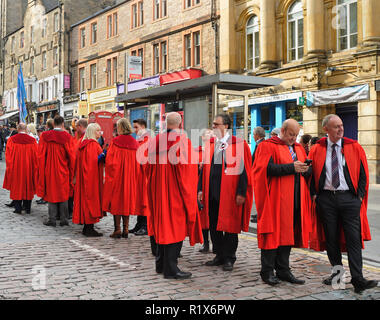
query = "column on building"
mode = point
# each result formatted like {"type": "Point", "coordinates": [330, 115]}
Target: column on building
{"type": "Point", "coordinates": [315, 36]}
{"type": "Point", "coordinates": [227, 37]}
{"type": "Point", "coordinates": [370, 19]}
{"type": "Point", "coordinates": [268, 34]}
{"type": "Point", "coordinates": [369, 132]}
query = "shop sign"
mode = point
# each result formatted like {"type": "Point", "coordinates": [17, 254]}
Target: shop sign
{"type": "Point", "coordinates": [336, 96]}
{"type": "Point", "coordinates": [145, 83]}
{"type": "Point", "coordinates": [47, 108]}
{"type": "Point", "coordinates": [180, 76]}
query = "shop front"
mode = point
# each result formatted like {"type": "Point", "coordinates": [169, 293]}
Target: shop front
{"type": "Point", "coordinates": [70, 104]}
{"type": "Point", "coordinates": [102, 99]}
{"type": "Point", "coordinates": [46, 111]}
{"type": "Point", "coordinates": [268, 112]}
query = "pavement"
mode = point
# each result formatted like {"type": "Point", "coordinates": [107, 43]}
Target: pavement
{"type": "Point", "coordinates": [45, 263]}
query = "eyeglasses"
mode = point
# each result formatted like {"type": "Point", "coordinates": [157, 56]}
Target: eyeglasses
{"type": "Point", "coordinates": [217, 124]}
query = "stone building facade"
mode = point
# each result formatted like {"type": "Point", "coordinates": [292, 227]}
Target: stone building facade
{"type": "Point", "coordinates": [327, 53]}
{"type": "Point", "coordinates": [40, 44]}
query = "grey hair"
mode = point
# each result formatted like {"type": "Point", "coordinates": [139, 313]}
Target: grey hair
{"type": "Point", "coordinates": [326, 119]}
{"type": "Point", "coordinates": [259, 131]}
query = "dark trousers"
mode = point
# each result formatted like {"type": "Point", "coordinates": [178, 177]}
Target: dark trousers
{"type": "Point", "coordinates": [342, 209]}
{"type": "Point", "coordinates": [167, 258]}
{"type": "Point", "coordinates": [20, 204]}
{"type": "Point", "coordinates": [275, 259]}
{"type": "Point", "coordinates": [224, 244]}
{"type": "Point", "coordinates": [153, 245]}
{"type": "Point", "coordinates": [59, 208]}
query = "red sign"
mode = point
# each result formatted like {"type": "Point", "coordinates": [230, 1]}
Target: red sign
{"type": "Point", "coordinates": [135, 76]}
{"type": "Point", "coordinates": [104, 120]}
{"type": "Point", "coordinates": [180, 76]}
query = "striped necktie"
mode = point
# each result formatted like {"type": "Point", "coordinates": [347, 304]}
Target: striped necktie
{"type": "Point", "coordinates": [292, 153]}
{"type": "Point", "coordinates": [334, 167]}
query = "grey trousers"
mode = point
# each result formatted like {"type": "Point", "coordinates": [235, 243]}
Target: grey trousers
{"type": "Point", "coordinates": [60, 207]}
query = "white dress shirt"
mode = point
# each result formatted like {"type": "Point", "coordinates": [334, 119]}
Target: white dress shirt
{"type": "Point", "coordinates": [341, 162]}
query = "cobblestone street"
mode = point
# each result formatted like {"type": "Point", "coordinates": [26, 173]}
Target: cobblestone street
{"type": "Point", "coordinates": [39, 262]}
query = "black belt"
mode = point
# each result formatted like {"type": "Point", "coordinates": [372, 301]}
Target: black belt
{"type": "Point", "coordinates": [336, 191]}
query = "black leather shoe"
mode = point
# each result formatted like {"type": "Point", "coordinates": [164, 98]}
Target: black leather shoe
{"type": "Point", "coordinates": [92, 233]}
{"type": "Point", "coordinates": [205, 248]}
{"type": "Point", "coordinates": [16, 211]}
{"type": "Point", "coordinates": [10, 205]}
{"type": "Point", "coordinates": [228, 266]}
{"type": "Point", "coordinates": [271, 279]}
{"type": "Point", "coordinates": [50, 224]}
{"type": "Point", "coordinates": [328, 281]}
{"type": "Point", "coordinates": [179, 275]}
{"type": "Point", "coordinates": [135, 229]}
{"type": "Point", "coordinates": [289, 277]}
{"type": "Point", "coordinates": [254, 218]}
{"type": "Point", "coordinates": [214, 262]}
{"type": "Point", "coordinates": [62, 224]}
{"type": "Point", "coordinates": [363, 284]}
{"type": "Point", "coordinates": [141, 232]}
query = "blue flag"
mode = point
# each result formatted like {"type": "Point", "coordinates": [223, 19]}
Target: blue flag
{"type": "Point", "coordinates": [21, 96]}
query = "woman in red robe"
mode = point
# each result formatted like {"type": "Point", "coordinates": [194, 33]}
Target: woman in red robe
{"type": "Point", "coordinates": [122, 174]}
{"type": "Point", "coordinates": [88, 182]}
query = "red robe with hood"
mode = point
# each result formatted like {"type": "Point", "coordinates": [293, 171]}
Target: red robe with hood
{"type": "Point", "coordinates": [274, 197]}
{"type": "Point", "coordinates": [122, 174]}
{"type": "Point", "coordinates": [172, 173]}
{"type": "Point", "coordinates": [354, 156]}
{"type": "Point", "coordinates": [56, 166]}
{"type": "Point", "coordinates": [21, 167]}
{"type": "Point", "coordinates": [88, 183]}
{"type": "Point", "coordinates": [231, 217]}
{"type": "Point", "coordinates": [142, 157]}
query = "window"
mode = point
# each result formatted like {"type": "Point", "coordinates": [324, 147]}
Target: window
{"type": "Point", "coordinates": [41, 91]}
{"type": "Point", "coordinates": [347, 29]}
{"type": "Point", "coordinates": [46, 85]}
{"type": "Point", "coordinates": [160, 9]}
{"type": "Point", "coordinates": [197, 48]}
{"type": "Point", "coordinates": [192, 49]}
{"type": "Point", "coordinates": [140, 53]}
{"type": "Point", "coordinates": [22, 39]}
{"type": "Point", "coordinates": [32, 34]}
{"type": "Point", "coordinates": [191, 3]}
{"type": "Point", "coordinates": [114, 70]}
{"type": "Point", "coordinates": [134, 16]}
{"type": "Point", "coordinates": [94, 32]}
{"type": "Point", "coordinates": [81, 80]}
{"type": "Point", "coordinates": [93, 76]}
{"type": "Point", "coordinates": [82, 32]}
{"type": "Point", "coordinates": [55, 88]}
{"type": "Point", "coordinates": [44, 60]}
{"type": "Point", "coordinates": [156, 58]}
{"type": "Point", "coordinates": [164, 57]}
{"type": "Point", "coordinates": [141, 13]}
{"type": "Point", "coordinates": [30, 92]}
{"type": "Point", "coordinates": [12, 73]}
{"type": "Point", "coordinates": [295, 31]}
{"type": "Point", "coordinates": [137, 14]}
{"type": "Point", "coordinates": [55, 56]}
{"type": "Point", "coordinates": [109, 72]}
{"type": "Point", "coordinates": [112, 25]}
{"type": "Point", "coordinates": [253, 44]}
{"type": "Point", "coordinates": [56, 22]}
{"type": "Point", "coordinates": [188, 50]}
{"type": "Point", "coordinates": [44, 27]}
{"type": "Point", "coordinates": [31, 65]}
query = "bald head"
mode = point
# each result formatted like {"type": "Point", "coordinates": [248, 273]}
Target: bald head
{"type": "Point", "coordinates": [21, 127]}
{"type": "Point", "coordinates": [173, 120]}
{"type": "Point", "coordinates": [289, 131]}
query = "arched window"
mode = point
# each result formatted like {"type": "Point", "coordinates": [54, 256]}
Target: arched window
{"type": "Point", "coordinates": [295, 31]}
{"type": "Point", "coordinates": [347, 28]}
{"type": "Point", "coordinates": [252, 43]}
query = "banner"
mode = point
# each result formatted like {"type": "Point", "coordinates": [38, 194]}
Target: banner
{"type": "Point", "coordinates": [21, 96]}
{"type": "Point", "coordinates": [336, 96]}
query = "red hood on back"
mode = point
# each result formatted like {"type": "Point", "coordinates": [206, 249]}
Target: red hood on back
{"type": "Point", "coordinates": [60, 137]}
{"type": "Point", "coordinates": [126, 141]}
{"type": "Point", "coordinates": [23, 138]}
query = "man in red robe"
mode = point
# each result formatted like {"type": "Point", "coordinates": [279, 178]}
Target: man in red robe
{"type": "Point", "coordinates": [142, 137]}
{"type": "Point", "coordinates": [56, 171]}
{"type": "Point", "coordinates": [225, 190]}
{"type": "Point", "coordinates": [21, 168]}
{"type": "Point", "coordinates": [283, 202]}
{"type": "Point", "coordinates": [340, 191]}
{"type": "Point", "coordinates": [172, 173]}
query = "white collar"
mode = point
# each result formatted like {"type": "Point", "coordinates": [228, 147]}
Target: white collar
{"type": "Point", "coordinates": [330, 143]}
{"type": "Point", "coordinates": [225, 138]}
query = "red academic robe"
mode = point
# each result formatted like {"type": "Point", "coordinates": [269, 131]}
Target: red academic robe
{"type": "Point", "coordinates": [172, 174]}
{"type": "Point", "coordinates": [232, 218]}
{"type": "Point", "coordinates": [122, 174]}
{"type": "Point", "coordinates": [56, 166]}
{"type": "Point", "coordinates": [354, 155]}
{"type": "Point", "coordinates": [21, 167]}
{"type": "Point", "coordinates": [89, 183]}
{"type": "Point", "coordinates": [274, 198]}
{"type": "Point", "coordinates": [142, 196]}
